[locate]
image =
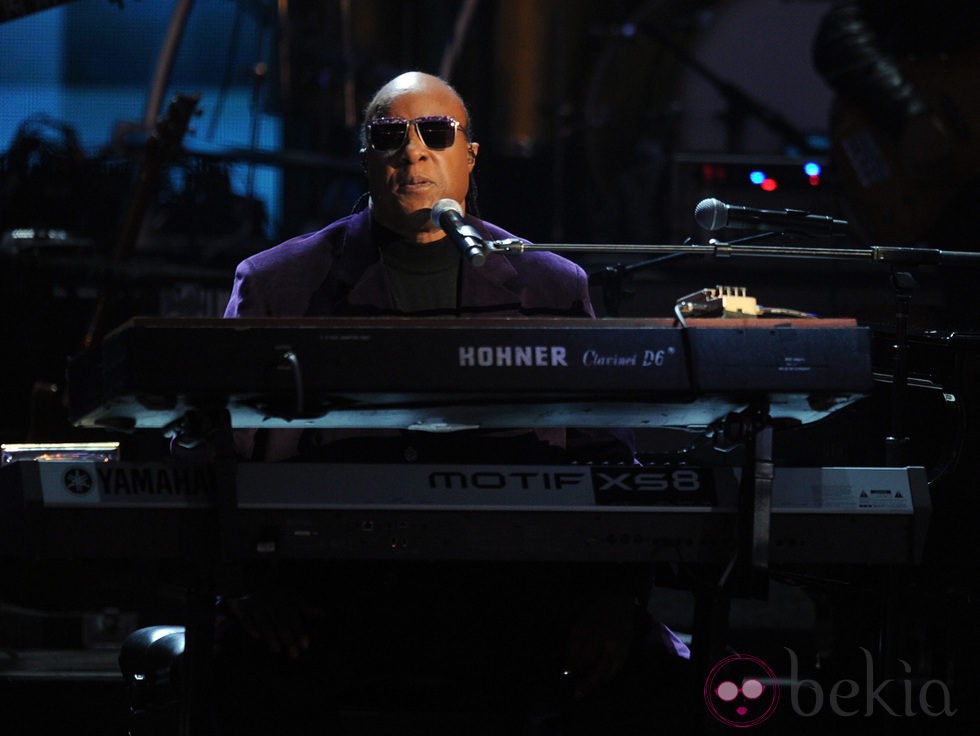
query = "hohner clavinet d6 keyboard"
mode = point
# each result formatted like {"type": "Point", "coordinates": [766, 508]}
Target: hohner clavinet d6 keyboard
{"type": "Point", "coordinates": [86, 510]}
{"type": "Point", "coordinates": [444, 374]}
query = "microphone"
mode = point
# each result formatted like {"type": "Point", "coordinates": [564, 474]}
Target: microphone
{"type": "Point", "coordinates": [712, 214]}
{"type": "Point", "coordinates": [448, 214]}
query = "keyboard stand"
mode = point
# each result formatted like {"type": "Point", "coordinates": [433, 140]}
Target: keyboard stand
{"type": "Point", "coordinates": [747, 574]}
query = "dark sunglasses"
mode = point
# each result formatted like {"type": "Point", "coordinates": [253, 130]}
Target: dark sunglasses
{"type": "Point", "coordinates": [437, 132]}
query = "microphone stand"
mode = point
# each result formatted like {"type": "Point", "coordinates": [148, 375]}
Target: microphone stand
{"type": "Point", "coordinates": [897, 442]}
{"type": "Point", "coordinates": [751, 558]}
{"type": "Point", "coordinates": [754, 519]}
{"type": "Point", "coordinates": [893, 255]}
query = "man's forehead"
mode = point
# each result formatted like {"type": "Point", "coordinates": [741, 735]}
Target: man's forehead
{"type": "Point", "coordinates": [428, 100]}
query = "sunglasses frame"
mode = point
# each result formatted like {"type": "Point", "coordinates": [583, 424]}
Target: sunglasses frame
{"type": "Point", "coordinates": [456, 126]}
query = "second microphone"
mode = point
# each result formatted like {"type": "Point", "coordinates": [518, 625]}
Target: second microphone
{"type": "Point", "coordinates": [712, 214]}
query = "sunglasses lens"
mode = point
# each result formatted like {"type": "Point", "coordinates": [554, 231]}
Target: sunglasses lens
{"type": "Point", "coordinates": [437, 134]}
{"type": "Point", "coordinates": [387, 136]}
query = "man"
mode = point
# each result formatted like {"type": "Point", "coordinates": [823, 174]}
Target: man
{"type": "Point", "coordinates": [391, 259]}
{"type": "Point", "coordinates": [498, 630]}
{"type": "Point", "coordinates": [368, 262]}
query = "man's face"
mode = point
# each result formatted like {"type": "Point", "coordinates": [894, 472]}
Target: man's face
{"type": "Point", "coordinates": [407, 181]}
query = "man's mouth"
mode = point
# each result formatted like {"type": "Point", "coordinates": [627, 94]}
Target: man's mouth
{"type": "Point", "coordinates": [414, 182]}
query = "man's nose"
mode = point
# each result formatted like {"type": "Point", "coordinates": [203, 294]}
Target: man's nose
{"type": "Point", "coordinates": [414, 147]}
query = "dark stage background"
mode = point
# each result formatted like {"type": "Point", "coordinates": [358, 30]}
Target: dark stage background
{"type": "Point", "coordinates": [599, 122]}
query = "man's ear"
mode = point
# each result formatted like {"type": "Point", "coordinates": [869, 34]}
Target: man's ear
{"type": "Point", "coordinates": [363, 154]}
{"type": "Point", "coordinates": [471, 151]}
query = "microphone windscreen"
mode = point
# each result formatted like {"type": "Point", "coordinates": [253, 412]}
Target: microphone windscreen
{"type": "Point", "coordinates": [711, 214]}
{"type": "Point", "coordinates": [443, 206]}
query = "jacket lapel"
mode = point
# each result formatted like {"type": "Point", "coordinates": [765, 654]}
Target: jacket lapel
{"type": "Point", "coordinates": [360, 265]}
{"type": "Point", "coordinates": [495, 283]}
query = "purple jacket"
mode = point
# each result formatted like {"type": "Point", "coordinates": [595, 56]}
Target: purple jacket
{"type": "Point", "coordinates": [338, 271]}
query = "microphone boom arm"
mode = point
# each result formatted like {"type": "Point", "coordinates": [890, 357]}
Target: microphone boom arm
{"type": "Point", "coordinates": [879, 253]}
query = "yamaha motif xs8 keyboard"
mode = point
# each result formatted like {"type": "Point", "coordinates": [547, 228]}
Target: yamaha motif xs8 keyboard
{"type": "Point", "coordinates": [445, 374]}
{"type": "Point", "coordinates": [495, 512]}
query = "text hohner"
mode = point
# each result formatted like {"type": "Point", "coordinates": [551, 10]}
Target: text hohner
{"type": "Point", "coordinates": [512, 355]}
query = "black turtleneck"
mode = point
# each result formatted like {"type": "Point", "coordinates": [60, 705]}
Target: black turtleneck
{"type": "Point", "coordinates": [422, 277]}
